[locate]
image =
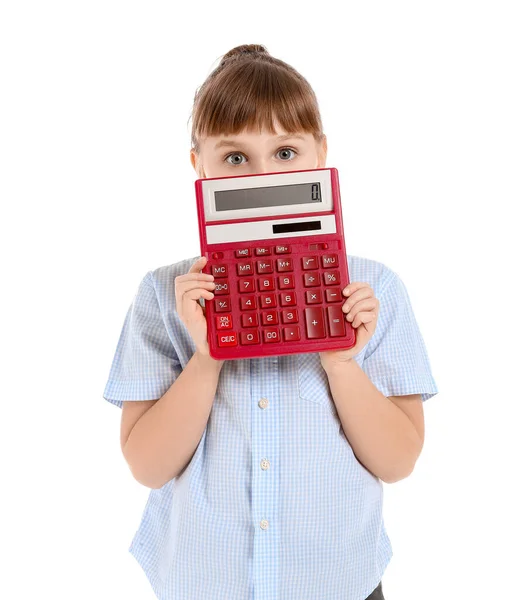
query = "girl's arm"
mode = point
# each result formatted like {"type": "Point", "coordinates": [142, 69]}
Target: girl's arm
{"type": "Point", "coordinates": [159, 443]}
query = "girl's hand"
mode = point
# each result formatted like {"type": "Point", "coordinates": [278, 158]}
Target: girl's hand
{"type": "Point", "coordinates": [188, 289]}
{"type": "Point", "coordinates": [362, 311]}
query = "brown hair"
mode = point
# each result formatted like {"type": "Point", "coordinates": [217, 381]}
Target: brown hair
{"type": "Point", "coordinates": [248, 90]}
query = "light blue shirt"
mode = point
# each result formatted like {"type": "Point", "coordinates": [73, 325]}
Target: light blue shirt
{"type": "Point", "coordinates": [274, 505]}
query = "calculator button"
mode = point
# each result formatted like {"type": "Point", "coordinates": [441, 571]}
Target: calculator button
{"type": "Point", "coordinates": [222, 304]}
{"type": "Point", "coordinates": [336, 321]}
{"type": "Point", "coordinates": [313, 297]}
{"type": "Point", "coordinates": [269, 317]}
{"type": "Point", "coordinates": [286, 282]}
{"type": "Point", "coordinates": [221, 288]}
{"type": "Point", "coordinates": [309, 262]}
{"type": "Point", "coordinates": [290, 315]}
{"type": "Point", "coordinates": [264, 266]}
{"type": "Point", "coordinates": [244, 268]}
{"type": "Point", "coordinates": [219, 270]}
{"type": "Point", "coordinates": [333, 295]}
{"type": "Point", "coordinates": [272, 334]}
{"type": "Point", "coordinates": [217, 255]}
{"type": "Point", "coordinates": [266, 284]}
{"type": "Point", "coordinates": [268, 301]}
{"type": "Point", "coordinates": [284, 264]}
{"type": "Point", "coordinates": [329, 260]}
{"type": "Point", "coordinates": [288, 299]}
{"type": "Point", "coordinates": [250, 320]}
{"type": "Point", "coordinates": [332, 277]}
{"type": "Point", "coordinates": [248, 303]}
{"type": "Point", "coordinates": [243, 252]}
{"type": "Point", "coordinates": [282, 249]}
{"type": "Point", "coordinates": [250, 337]}
{"type": "Point", "coordinates": [320, 246]}
{"type": "Point", "coordinates": [311, 279]}
{"type": "Point", "coordinates": [262, 251]}
{"type": "Point", "coordinates": [291, 333]}
{"type": "Point", "coordinates": [227, 339]}
{"type": "Point", "coordinates": [315, 322]}
{"type": "Point", "coordinates": [224, 321]}
{"type": "Point", "coordinates": [246, 285]}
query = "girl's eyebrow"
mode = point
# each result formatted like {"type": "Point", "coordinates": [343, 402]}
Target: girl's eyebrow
{"type": "Point", "coordinates": [280, 138]}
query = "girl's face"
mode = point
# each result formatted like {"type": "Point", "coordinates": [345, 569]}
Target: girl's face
{"type": "Point", "coordinates": [253, 152]}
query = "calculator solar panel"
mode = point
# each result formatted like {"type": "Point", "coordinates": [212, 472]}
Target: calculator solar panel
{"type": "Point", "coordinates": [275, 246]}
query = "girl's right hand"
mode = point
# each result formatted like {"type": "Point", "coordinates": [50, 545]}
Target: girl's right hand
{"type": "Point", "coordinates": [188, 289]}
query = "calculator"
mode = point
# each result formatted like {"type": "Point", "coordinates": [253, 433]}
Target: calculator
{"type": "Point", "coordinates": [275, 245]}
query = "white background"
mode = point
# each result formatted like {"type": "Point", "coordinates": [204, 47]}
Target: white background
{"type": "Point", "coordinates": [422, 104]}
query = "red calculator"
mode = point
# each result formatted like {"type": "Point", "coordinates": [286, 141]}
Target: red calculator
{"type": "Point", "coordinates": [275, 246]}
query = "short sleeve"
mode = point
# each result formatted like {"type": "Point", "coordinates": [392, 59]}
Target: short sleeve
{"type": "Point", "coordinates": [396, 360]}
{"type": "Point", "coordinates": [145, 363]}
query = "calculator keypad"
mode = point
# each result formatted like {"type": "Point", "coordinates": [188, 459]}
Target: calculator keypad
{"type": "Point", "coordinates": [263, 281]}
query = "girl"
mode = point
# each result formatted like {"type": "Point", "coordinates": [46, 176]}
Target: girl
{"type": "Point", "coordinates": [265, 474]}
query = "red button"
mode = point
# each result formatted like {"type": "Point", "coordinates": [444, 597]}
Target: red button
{"type": "Point", "coordinates": [290, 315]}
{"type": "Point", "coordinates": [262, 251]}
{"type": "Point", "coordinates": [288, 299]}
{"type": "Point", "coordinates": [249, 320]}
{"type": "Point", "coordinates": [291, 333]}
{"type": "Point", "coordinates": [311, 279]}
{"type": "Point", "coordinates": [269, 317]}
{"type": "Point", "coordinates": [221, 288]}
{"type": "Point", "coordinates": [286, 282]}
{"type": "Point", "coordinates": [224, 321]}
{"type": "Point", "coordinates": [219, 270]}
{"type": "Point", "coordinates": [313, 297]}
{"type": "Point", "coordinates": [310, 262]}
{"type": "Point", "coordinates": [248, 302]}
{"type": "Point", "coordinates": [250, 337]}
{"type": "Point", "coordinates": [227, 339]}
{"type": "Point", "coordinates": [315, 322]}
{"type": "Point", "coordinates": [331, 277]}
{"type": "Point", "coordinates": [329, 260]}
{"type": "Point", "coordinates": [271, 334]}
{"type": "Point", "coordinates": [222, 304]}
{"type": "Point", "coordinates": [266, 284]}
{"type": "Point", "coordinates": [268, 301]}
{"type": "Point", "coordinates": [333, 295]}
{"type": "Point", "coordinates": [284, 264]}
{"type": "Point", "coordinates": [244, 268]}
{"type": "Point", "coordinates": [242, 252]}
{"type": "Point", "coordinates": [336, 321]}
{"type": "Point", "coordinates": [246, 285]}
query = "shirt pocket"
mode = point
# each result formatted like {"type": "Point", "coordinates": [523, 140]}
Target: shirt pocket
{"type": "Point", "coordinates": [313, 383]}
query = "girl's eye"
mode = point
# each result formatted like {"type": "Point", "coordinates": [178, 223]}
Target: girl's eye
{"type": "Point", "coordinates": [239, 154]}
{"type": "Point", "coordinates": [235, 154]}
{"type": "Point", "coordinates": [287, 150]}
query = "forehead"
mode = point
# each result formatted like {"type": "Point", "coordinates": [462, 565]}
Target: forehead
{"type": "Point", "coordinates": [254, 137]}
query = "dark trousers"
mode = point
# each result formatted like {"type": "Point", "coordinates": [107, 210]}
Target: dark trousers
{"type": "Point", "coordinates": [376, 594]}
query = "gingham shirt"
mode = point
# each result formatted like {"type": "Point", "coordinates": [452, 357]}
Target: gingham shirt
{"type": "Point", "coordinates": [274, 504]}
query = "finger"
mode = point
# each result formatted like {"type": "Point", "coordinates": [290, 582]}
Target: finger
{"type": "Point", "coordinates": [197, 276]}
{"type": "Point", "coordinates": [198, 264]}
{"type": "Point", "coordinates": [195, 294]}
{"type": "Point", "coordinates": [190, 284]}
{"type": "Point", "coordinates": [368, 304]}
{"type": "Point", "coordinates": [353, 286]}
{"type": "Point", "coordinates": [363, 318]}
{"type": "Point", "coordinates": [357, 297]}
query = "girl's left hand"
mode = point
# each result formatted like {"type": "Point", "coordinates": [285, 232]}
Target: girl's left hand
{"type": "Point", "coordinates": [362, 309]}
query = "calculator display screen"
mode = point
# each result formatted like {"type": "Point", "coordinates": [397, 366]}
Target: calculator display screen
{"type": "Point", "coordinates": [278, 195]}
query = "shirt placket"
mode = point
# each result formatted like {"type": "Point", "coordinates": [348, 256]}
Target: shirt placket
{"type": "Point", "coordinates": [265, 436]}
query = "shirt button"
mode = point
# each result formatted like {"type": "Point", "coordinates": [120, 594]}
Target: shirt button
{"type": "Point", "coordinates": [263, 402]}
{"type": "Point", "coordinates": [264, 464]}
{"type": "Point", "coordinates": [264, 524]}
